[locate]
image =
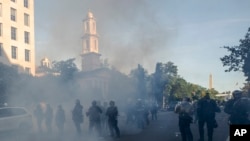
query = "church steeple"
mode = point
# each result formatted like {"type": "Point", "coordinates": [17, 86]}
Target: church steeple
{"type": "Point", "coordinates": [90, 50]}
{"type": "Point", "coordinates": [90, 37]}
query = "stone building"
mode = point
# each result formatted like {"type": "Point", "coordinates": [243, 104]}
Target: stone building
{"type": "Point", "coordinates": [17, 43]}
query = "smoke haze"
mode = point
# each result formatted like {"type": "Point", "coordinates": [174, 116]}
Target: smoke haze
{"type": "Point", "coordinates": [130, 31]}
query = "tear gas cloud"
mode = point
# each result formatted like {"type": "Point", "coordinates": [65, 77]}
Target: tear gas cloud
{"type": "Point", "coordinates": [131, 32]}
{"type": "Point", "coordinates": [29, 91]}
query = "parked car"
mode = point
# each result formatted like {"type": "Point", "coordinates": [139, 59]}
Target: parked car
{"type": "Point", "coordinates": [15, 118]}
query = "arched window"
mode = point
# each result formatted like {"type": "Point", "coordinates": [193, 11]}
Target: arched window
{"type": "Point", "coordinates": [94, 27]}
{"type": "Point", "coordinates": [87, 45]}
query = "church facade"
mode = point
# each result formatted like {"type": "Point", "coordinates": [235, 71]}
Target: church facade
{"type": "Point", "coordinates": [93, 78]}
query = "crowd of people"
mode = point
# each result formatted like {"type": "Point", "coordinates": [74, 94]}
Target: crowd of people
{"type": "Point", "coordinates": [204, 112]}
{"type": "Point", "coordinates": [103, 118]}
{"type": "Point", "coordinates": [100, 118]}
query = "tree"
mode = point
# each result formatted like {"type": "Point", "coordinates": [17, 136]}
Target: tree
{"type": "Point", "coordinates": [178, 90]}
{"type": "Point", "coordinates": [239, 57]}
{"type": "Point", "coordinates": [140, 76]}
{"type": "Point", "coordinates": [162, 80]}
{"type": "Point", "coordinates": [66, 69]}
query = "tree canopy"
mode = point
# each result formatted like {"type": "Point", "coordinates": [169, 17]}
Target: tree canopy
{"type": "Point", "coordinates": [140, 76]}
{"type": "Point", "coordinates": [239, 57]}
{"type": "Point", "coordinates": [66, 69]}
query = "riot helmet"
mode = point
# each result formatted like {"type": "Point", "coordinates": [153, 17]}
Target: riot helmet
{"type": "Point", "coordinates": [77, 101]}
{"type": "Point", "coordinates": [94, 103]}
{"type": "Point", "coordinates": [112, 103]}
{"type": "Point", "coordinates": [237, 94]}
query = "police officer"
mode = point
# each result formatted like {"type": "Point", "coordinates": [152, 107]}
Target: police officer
{"type": "Point", "coordinates": [153, 111]}
{"type": "Point", "coordinates": [112, 113]}
{"type": "Point", "coordinates": [94, 114]}
{"type": "Point", "coordinates": [77, 116]}
{"type": "Point", "coordinates": [206, 109]}
{"type": "Point", "coordinates": [237, 108]}
{"type": "Point", "coordinates": [38, 112]}
{"type": "Point", "coordinates": [48, 118]}
{"type": "Point", "coordinates": [140, 114]}
{"type": "Point", "coordinates": [60, 119]}
{"type": "Point", "coordinates": [185, 111]}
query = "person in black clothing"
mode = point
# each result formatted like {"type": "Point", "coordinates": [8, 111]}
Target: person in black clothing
{"type": "Point", "coordinates": [238, 108]}
{"type": "Point", "coordinates": [38, 112]}
{"type": "Point", "coordinates": [185, 111]}
{"type": "Point", "coordinates": [60, 119]}
{"type": "Point", "coordinates": [77, 116]}
{"type": "Point", "coordinates": [112, 113]}
{"type": "Point", "coordinates": [94, 114]}
{"type": "Point", "coordinates": [206, 109]}
{"type": "Point", "coordinates": [140, 114]}
{"type": "Point", "coordinates": [153, 111]}
{"type": "Point", "coordinates": [48, 118]}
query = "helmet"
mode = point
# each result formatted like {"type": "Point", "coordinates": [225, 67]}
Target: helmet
{"type": "Point", "coordinates": [237, 94]}
{"type": "Point", "coordinates": [112, 102]}
{"type": "Point", "coordinates": [94, 102]}
{"type": "Point", "coordinates": [77, 101]}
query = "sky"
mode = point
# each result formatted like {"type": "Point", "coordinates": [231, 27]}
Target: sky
{"type": "Point", "coordinates": [189, 33]}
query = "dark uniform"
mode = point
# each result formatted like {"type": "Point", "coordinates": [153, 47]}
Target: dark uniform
{"type": "Point", "coordinates": [77, 116]}
{"type": "Point", "coordinates": [153, 111]}
{"type": "Point", "coordinates": [206, 109]}
{"type": "Point", "coordinates": [185, 111]}
{"type": "Point", "coordinates": [38, 112]}
{"type": "Point", "coordinates": [140, 115]}
{"type": "Point", "coordinates": [112, 113]}
{"type": "Point", "coordinates": [60, 119]}
{"type": "Point", "coordinates": [48, 118]}
{"type": "Point", "coordinates": [94, 114]}
{"type": "Point", "coordinates": [238, 108]}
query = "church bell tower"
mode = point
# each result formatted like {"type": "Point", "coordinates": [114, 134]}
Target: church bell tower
{"type": "Point", "coordinates": [90, 50]}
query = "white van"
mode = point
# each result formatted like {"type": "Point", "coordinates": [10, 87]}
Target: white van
{"type": "Point", "coordinates": [15, 118]}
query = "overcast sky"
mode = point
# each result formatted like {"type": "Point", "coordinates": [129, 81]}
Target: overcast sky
{"type": "Point", "coordinates": [189, 33]}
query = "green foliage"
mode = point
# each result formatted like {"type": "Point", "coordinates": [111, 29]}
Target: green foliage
{"type": "Point", "coordinates": [163, 79]}
{"type": "Point", "coordinates": [66, 69]}
{"type": "Point", "coordinates": [239, 57]}
{"type": "Point", "coordinates": [140, 76]}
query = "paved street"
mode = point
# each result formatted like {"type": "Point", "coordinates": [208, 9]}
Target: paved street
{"type": "Point", "coordinates": [164, 129]}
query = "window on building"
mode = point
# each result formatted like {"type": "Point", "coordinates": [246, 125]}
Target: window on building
{"type": "Point", "coordinates": [27, 70]}
{"type": "Point", "coordinates": [95, 44]}
{"type": "Point", "coordinates": [1, 28]}
{"type": "Point", "coordinates": [1, 49]}
{"type": "Point", "coordinates": [14, 52]}
{"type": "Point", "coordinates": [87, 26]}
{"type": "Point", "coordinates": [27, 55]}
{"type": "Point", "coordinates": [26, 3]}
{"type": "Point", "coordinates": [87, 45]}
{"type": "Point", "coordinates": [13, 33]}
{"type": "Point", "coordinates": [13, 14]}
{"type": "Point", "coordinates": [26, 19]}
{"type": "Point", "coordinates": [26, 37]}
{"type": "Point", "coordinates": [94, 27]}
{"type": "Point", "coordinates": [1, 9]}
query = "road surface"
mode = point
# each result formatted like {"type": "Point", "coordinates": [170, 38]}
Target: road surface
{"type": "Point", "coordinates": [164, 129]}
